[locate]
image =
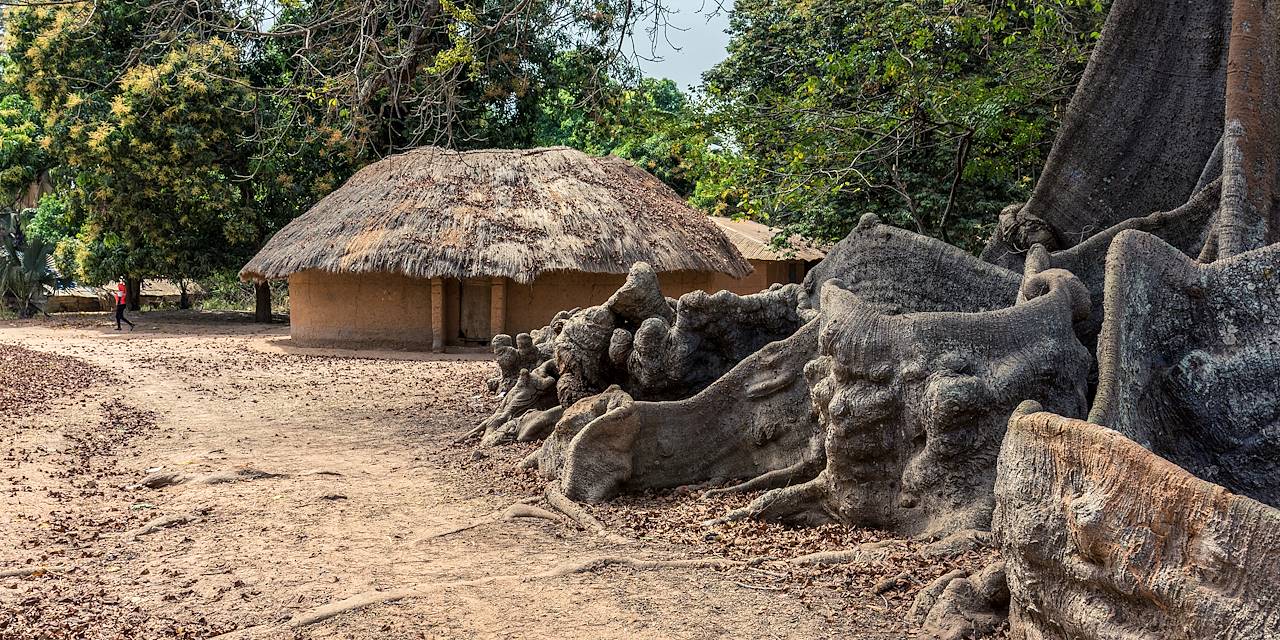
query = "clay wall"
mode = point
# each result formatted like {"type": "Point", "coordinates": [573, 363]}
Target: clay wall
{"type": "Point", "coordinates": [368, 310]}
{"type": "Point", "coordinates": [388, 310]}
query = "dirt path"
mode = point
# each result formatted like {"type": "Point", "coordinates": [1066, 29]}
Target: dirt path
{"type": "Point", "coordinates": [306, 481]}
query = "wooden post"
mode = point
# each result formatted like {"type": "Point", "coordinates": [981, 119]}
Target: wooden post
{"type": "Point", "coordinates": [498, 307]}
{"type": "Point", "coordinates": [437, 315]}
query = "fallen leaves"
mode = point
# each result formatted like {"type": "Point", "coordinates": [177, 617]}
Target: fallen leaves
{"type": "Point", "coordinates": [29, 379]}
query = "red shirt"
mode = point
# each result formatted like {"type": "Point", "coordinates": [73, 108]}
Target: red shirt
{"type": "Point", "coordinates": [121, 298]}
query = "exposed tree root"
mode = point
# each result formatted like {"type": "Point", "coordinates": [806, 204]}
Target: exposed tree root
{"type": "Point", "coordinates": [520, 510]}
{"type": "Point", "coordinates": [957, 543]}
{"type": "Point", "coordinates": [869, 552]}
{"type": "Point", "coordinates": [960, 605]}
{"type": "Point", "coordinates": [473, 433]}
{"type": "Point", "coordinates": [362, 600]}
{"type": "Point", "coordinates": [797, 473]}
{"type": "Point", "coordinates": [576, 513]}
{"type": "Point", "coordinates": [163, 522]}
{"type": "Point", "coordinates": [239, 475]}
{"type": "Point", "coordinates": [162, 479]}
{"type": "Point", "coordinates": [517, 510]}
{"type": "Point", "coordinates": [801, 503]}
{"type": "Point", "coordinates": [893, 583]}
{"type": "Point", "coordinates": [866, 552]}
{"type": "Point", "coordinates": [29, 571]}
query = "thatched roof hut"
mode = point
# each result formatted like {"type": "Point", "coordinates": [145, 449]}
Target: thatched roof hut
{"type": "Point", "coordinates": [755, 242]}
{"type": "Point", "coordinates": [436, 213]}
{"type": "Point", "coordinates": [770, 263]}
{"type": "Point", "coordinates": [435, 247]}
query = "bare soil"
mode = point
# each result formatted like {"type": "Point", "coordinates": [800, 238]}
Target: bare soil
{"type": "Point", "coordinates": [296, 496]}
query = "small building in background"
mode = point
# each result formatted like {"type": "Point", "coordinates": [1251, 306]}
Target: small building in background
{"type": "Point", "coordinates": [436, 247]}
{"type": "Point", "coordinates": [771, 263]}
{"type": "Point", "coordinates": [82, 298]}
{"type": "Point", "coordinates": [76, 298]}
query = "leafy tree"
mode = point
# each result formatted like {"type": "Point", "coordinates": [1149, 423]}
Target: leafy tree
{"type": "Point", "coordinates": [148, 146]}
{"type": "Point", "coordinates": [933, 114]}
{"type": "Point", "coordinates": [646, 120]}
{"type": "Point", "coordinates": [25, 267]}
{"type": "Point", "coordinates": [22, 157]}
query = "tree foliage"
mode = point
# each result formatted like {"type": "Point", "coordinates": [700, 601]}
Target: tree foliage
{"type": "Point", "coordinates": [646, 120]}
{"type": "Point", "coordinates": [22, 156]}
{"type": "Point", "coordinates": [933, 114]}
{"type": "Point", "coordinates": [185, 136]}
{"type": "Point", "coordinates": [146, 147]}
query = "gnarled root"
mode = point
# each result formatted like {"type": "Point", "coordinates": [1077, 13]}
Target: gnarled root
{"type": "Point", "coordinates": [802, 504]}
{"type": "Point", "coordinates": [756, 418]}
{"type": "Point", "coordinates": [533, 390]}
{"type": "Point", "coordinates": [579, 515]}
{"type": "Point", "coordinates": [798, 473]}
{"type": "Point", "coordinates": [958, 605]}
{"type": "Point", "coordinates": [914, 406]}
{"type": "Point", "coordinates": [517, 510]}
{"type": "Point", "coordinates": [360, 601]}
{"type": "Point", "coordinates": [164, 522]}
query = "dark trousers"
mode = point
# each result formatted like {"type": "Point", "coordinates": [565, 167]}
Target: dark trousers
{"type": "Point", "coordinates": [120, 316]}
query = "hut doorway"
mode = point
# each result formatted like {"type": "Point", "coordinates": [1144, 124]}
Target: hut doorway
{"type": "Point", "coordinates": [473, 311]}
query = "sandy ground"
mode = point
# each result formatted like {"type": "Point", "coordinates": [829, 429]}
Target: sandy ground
{"type": "Point", "coordinates": [305, 481]}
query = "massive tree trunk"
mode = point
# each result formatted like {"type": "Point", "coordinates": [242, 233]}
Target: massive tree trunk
{"type": "Point", "coordinates": [1141, 127]}
{"type": "Point", "coordinates": [1104, 539]}
{"type": "Point", "coordinates": [262, 302]}
{"type": "Point", "coordinates": [1250, 213]}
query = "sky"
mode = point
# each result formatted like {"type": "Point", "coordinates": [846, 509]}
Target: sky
{"type": "Point", "coordinates": [684, 55]}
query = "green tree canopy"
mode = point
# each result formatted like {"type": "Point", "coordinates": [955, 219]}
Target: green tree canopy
{"type": "Point", "coordinates": [23, 157]}
{"type": "Point", "coordinates": [646, 120]}
{"type": "Point", "coordinates": [933, 114]}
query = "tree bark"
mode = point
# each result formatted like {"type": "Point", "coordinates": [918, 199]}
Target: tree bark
{"type": "Point", "coordinates": [1104, 539]}
{"type": "Point", "coordinates": [1143, 123]}
{"type": "Point", "coordinates": [914, 406]}
{"type": "Point", "coordinates": [1250, 213]}
{"type": "Point", "coordinates": [1188, 361]}
{"type": "Point", "coordinates": [754, 420]}
{"type": "Point", "coordinates": [133, 291]}
{"type": "Point", "coordinates": [262, 302]}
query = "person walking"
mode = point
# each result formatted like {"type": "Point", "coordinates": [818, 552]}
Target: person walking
{"type": "Point", "coordinates": [122, 297]}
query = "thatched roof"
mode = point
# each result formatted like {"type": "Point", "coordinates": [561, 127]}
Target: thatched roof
{"type": "Point", "coordinates": [437, 213]}
{"type": "Point", "coordinates": [755, 241]}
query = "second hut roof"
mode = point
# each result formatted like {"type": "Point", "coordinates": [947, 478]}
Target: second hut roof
{"type": "Point", "coordinates": [755, 242]}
